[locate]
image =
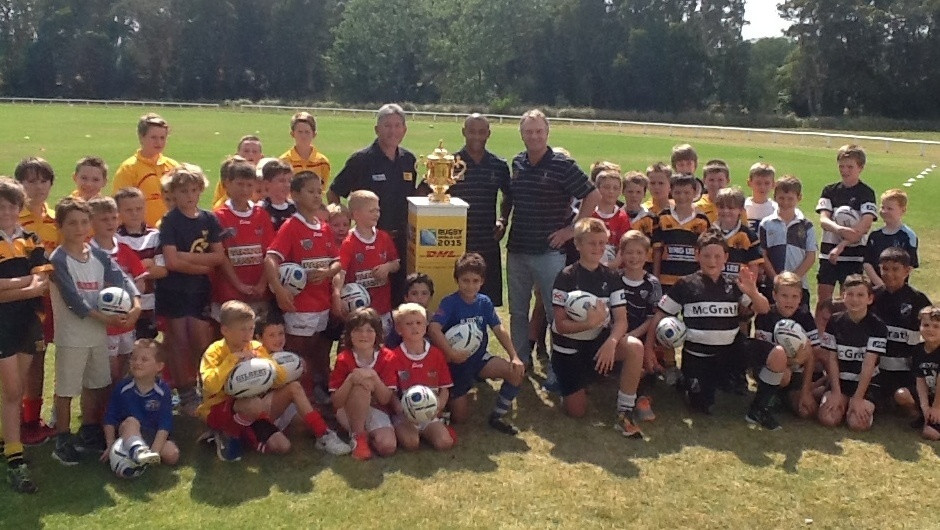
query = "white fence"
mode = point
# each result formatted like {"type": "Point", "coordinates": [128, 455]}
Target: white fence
{"type": "Point", "coordinates": [671, 129]}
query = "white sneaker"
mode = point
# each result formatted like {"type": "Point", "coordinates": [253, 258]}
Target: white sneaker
{"type": "Point", "coordinates": [333, 444]}
{"type": "Point", "coordinates": [144, 456]}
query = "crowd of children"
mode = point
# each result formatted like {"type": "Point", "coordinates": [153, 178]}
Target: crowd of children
{"type": "Point", "coordinates": [207, 284]}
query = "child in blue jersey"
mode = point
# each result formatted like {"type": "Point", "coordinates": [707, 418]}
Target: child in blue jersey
{"type": "Point", "coordinates": [466, 367]}
{"type": "Point", "coordinates": [141, 411]}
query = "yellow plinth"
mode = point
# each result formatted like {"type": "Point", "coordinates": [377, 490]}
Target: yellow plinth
{"type": "Point", "coordinates": [437, 236]}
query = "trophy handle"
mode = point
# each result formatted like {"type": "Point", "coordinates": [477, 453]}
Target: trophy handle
{"type": "Point", "coordinates": [460, 167]}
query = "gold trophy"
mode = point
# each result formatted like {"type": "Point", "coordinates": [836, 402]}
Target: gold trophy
{"type": "Point", "coordinates": [441, 173]}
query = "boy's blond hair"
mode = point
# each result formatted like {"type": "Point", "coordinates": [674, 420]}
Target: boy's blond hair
{"type": "Point", "coordinates": [930, 312]}
{"type": "Point", "coordinates": [634, 237]}
{"type": "Point", "coordinates": [408, 308]}
{"type": "Point", "coordinates": [235, 311]}
{"type": "Point", "coordinates": [12, 192]}
{"type": "Point", "coordinates": [93, 161]}
{"type": "Point", "coordinates": [149, 345]}
{"type": "Point", "coordinates": [608, 174]}
{"type": "Point", "coordinates": [853, 152]}
{"type": "Point", "coordinates": [184, 175]}
{"type": "Point", "coordinates": [730, 198]}
{"type": "Point", "coordinates": [787, 279]}
{"type": "Point", "coordinates": [602, 165]}
{"type": "Point", "coordinates": [151, 119]}
{"type": "Point", "coordinates": [636, 178]}
{"type": "Point", "coordinates": [360, 199]}
{"type": "Point", "coordinates": [789, 184]}
{"type": "Point", "coordinates": [589, 225]}
{"type": "Point", "coordinates": [895, 195]}
{"type": "Point", "coordinates": [659, 168]}
{"type": "Point", "coordinates": [334, 210]}
{"type": "Point", "coordinates": [303, 117]}
{"type": "Point", "coordinates": [761, 169]}
{"type": "Point", "coordinates": [716, 165]}
{"type": "Point", "coordinates": [683, 152]}
{"type": "Point", "coordinates": [100, 205]}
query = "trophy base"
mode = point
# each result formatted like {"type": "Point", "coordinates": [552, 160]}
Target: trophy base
{"type": "Point", "coordinates": [439, 197]}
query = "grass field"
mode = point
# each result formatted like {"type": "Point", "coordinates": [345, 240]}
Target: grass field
{"type": "Point", "coordinates": [690, 471]}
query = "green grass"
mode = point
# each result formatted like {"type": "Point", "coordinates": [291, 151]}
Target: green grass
{"type": "Point", "coordinates": [690, 471]}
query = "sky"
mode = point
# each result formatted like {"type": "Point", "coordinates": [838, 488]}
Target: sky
{"type": "Point", "coordinates": [763, 18]}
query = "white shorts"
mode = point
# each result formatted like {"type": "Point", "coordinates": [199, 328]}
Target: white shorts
{"type": "Point", "coordinates": [306, 324]}
{"type": "Point", "coordinates": [286, 417]}
{"type": "Point", "coordinates": [378, 419]}
{"type": "Point", "coordinates": [122, 344]}
{"type": "Point", "coordinates": [400, 418]}
{"type": "Point", "coordinates": [78, 367]}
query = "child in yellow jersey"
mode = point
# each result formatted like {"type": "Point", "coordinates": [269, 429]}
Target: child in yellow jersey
{"type": "Point", "coordinates": [303, 156]}
{"type": "Point", "coordinates": [148, 165]}
{"type": "Point", "coordinates": [250, 419]}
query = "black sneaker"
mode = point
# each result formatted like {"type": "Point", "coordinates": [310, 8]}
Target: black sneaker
{"type": "Point", "coordinates": [91, 439]}
{"type": "Point", "coordinates": [762, 417]}
{"type": "Point", "coordinates": [19, 479]}
{"type": "Point", "coordinates": [500, 424]}
{"type": "Point", "coordinates": [65, 451]}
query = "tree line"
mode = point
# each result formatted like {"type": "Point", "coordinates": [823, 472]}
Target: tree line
{"type": "Point", "coordinates": [840, 57]}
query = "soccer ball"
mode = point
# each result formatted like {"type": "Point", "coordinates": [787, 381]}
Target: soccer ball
{"type": "Point", "coordinates": [578, 304]}
{"type": "Point", "coordinates": [292, 363]}
{"type": "Point", "coordinates": [114, 301]}
{"type": "Point", "coordinates": [119, 457]}
{"type": "Point", "coordinates": [790, 336]}
{"type": "Point", "coordinates": [465, 336]}
{"type": "Point", "coordinates": [671, 332]}
{"type": "Point", "coordinates": [355, 296]}
{"type": "Point", "coordinates": [250, 378]}
{"type": "Point", "coordinates": [846, 216]}
{"type": "Point", "coordinates": [293, 277]}
{"type": "Point", "coordinates": [419, 403]}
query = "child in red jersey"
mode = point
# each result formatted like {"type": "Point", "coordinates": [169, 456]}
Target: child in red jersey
{"type": "Point", "coordinates": [362, 385]}
{"type": "Point", "coordinates": [368, 255]}
{"type": "Point", "coordinates": [104, 223]}
{"type": "Point", "coordinates": [417, 362]}
{"type": "Point", "coordinates": [305, 240]}
{"type": "Point", "coordinates": [246, 234]}
{"type": "Point", "coordinates": [610, 183]}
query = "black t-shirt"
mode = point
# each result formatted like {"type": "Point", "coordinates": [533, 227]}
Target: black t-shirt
{"type": "Point", "coordinates": [279, 214]}
{"type": "Point", "coordinates": [926, 365]}
{"type": "Point", "coordinates": [641, 297]}
{"type": "Point", "coordinates": [879, 240]}
{"type": "Point", "coordinates": [764, 326]}
{"type": "Point", "coordinates": [861, 199]}
{"type": "Point", "coordinates": [709, 310]}
{"type": "Point", "coordinates": [853, 340]}
{"type": "Point", "coordinates": [188, 234]}
{"type": "Point", "coordinates": [392, 180]}
{"type": "Point", "coordinates": [480, 187]}
{"type": "Point", "coordinates": [602, 282]}
{"type": "Point", "coordinates": [898, 311]}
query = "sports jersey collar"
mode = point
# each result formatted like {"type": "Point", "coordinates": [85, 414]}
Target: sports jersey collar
{"type": "Point", "coordinates": [294, 155]}
{"type": "Point", "coordinates": [25, 213]}
{"type": "Point", "coordinates": [376, 150]}
{"type": "Point", "coordinates": [672, 212]}
{"type": "Point", "coordinates": [465, 156]}
{"type": "Point", "coordinates": [633, 283]}
{"type": "Point", "coordinates": [427, 347]}
{"type": "Point", "coordinates": [244, 215]}
{"type": "Point", "coordinates": [365, 241]}
{"type": "Point", "coordinates": [728, 234]}
{"type": "Point", "coordinates": [798, 215]}
{"type": "Point", "coordinates": [302, 219]}
{"type": "Point", "coordinates": [94, 243]}
{"type": "Point", "coordinates": [158, 161]}
{"type": "Point", "coordinates": [360, 364]}
{"type": "Point", "coordinates": [602, 215]}
{"type": "Point", "coordinates": [282, 206]}
{"type": "Point", "coordinates": [17, 232]}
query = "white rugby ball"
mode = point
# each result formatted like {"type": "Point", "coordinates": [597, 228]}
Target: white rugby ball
{"type": "Point", "coordinates": [292, 363]}
{"type": "Point", "coordinates": [119, 458]}
{"type": "Point", "coordinates": [790, 336]}
{"type": "Point", "coordinates": [250, 378]}
{"type": "Point", "coordinates": [355, 296]}
{"type": "Point", "coordinates": [419, 403]}
{"type": "Point", "coordinates": [846, 216]}
{"type": "Point", "coordinates": [671, 332]}
{"type": "Point", "coordinates": [293, 277]}
{"type": "Point", "coordinates": [465, 336]}
{"type": "Point", "coordinates": [578, 304]}
{"type": "Point", "coordinates": [114, 301]}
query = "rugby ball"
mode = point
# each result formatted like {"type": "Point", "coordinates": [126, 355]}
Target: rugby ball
{"type": "Point", "coordinates": [578, 304]}
{"type": "Point", "coordinates": [292, 363]}
{"type": "Point", "coordinates": [250, 378]}
{"type": "Point", "coordinates": [790, 336]}
{"type": "Point", "coordinates": [465, 336]}
{"type": "Point", "coordinates": [420, 404]}
{"type": "Point", "coordinates": [355, 296]}
{"type": "Point", "coordinates": [846, 216]}
{"type": "Point", "coordinates": [671, 332]}
{"type": "Point", "coordinates": [293, 277]}
{"type": "Point", "coordinates": [119, 458]}
{"type": "Point", "coordinates": [114, 301]}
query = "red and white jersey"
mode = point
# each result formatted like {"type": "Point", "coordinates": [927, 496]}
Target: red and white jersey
{"type": "Point", "coordinates": [617, 223]}
{"type": "Point", "coordinates": [246, 237]}
{"type": "Point", "coordinates": [129, 263]}
{"type": "Point", "coordinates": [310, 244]}
{"type": "Point", "coordinates": [347, 361]}
{"type": "Point", "coordinates": [427, 367]}
{"type": "Point", "coordinates": [359, 256]}
{"type": "Point", "coordinates": [147, 246]}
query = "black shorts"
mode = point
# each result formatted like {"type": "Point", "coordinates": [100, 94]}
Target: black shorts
{"type": "Point", "coordinates": [702, 375]}
{"type": "Point", "coordinates": [334, 330]}
{"type": "Point", "coordinates": [891, 381]}
{"type": "Point", "coordinates": [146, 327]}
{"type": "Point", "coordinates": [21, 334]}
{"type": "Point", "coordinates": [493, 283]}
{"type": "Point", "coordinates": [871, 393]}
{"type": "Point", "coordinates": [182, 304]}
{"type": "Point", "coordinates": [756, 351]}
{"type": "Point", "coordinates": [575, 371]}
{"type": "Point", "coordinates": [830, 274]}
{"type": "Point", "coordinates": [795, 384]}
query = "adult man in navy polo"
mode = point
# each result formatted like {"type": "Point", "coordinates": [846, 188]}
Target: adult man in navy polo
{"type": "Point", "coordinates": [486, 175]}
{"type": "Point", "coordinates": [388, 170]}
{"type": "Point", "coordinates": [542, 186]}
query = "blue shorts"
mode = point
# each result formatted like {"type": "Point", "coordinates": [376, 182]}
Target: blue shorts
{"type": "Point", "coordinates": [467, 373]}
